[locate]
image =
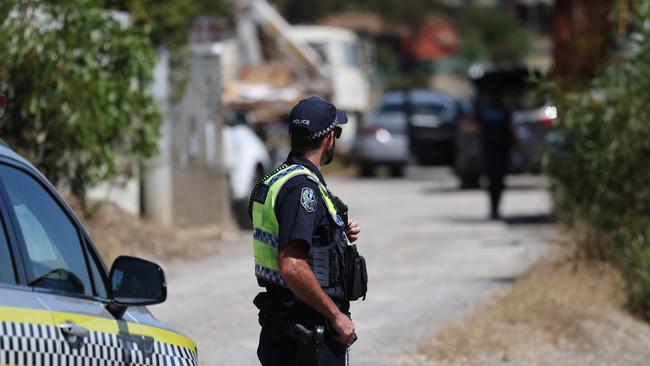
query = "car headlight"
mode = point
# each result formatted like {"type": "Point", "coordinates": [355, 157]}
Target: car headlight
{"type": "Point", "coordinates": [382, 135]}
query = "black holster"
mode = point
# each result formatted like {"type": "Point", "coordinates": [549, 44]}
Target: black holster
{"type": "Point", "coordinates": [308, 343]}
{"type": "Point", "coordinates": [356, 274]}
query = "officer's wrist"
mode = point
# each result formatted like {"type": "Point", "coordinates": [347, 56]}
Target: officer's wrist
{"type": "Point", "coordinates": [335, 314]}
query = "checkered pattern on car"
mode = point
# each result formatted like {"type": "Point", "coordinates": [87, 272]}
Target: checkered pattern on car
{"type": "Point", "coordinates": [27, 344]}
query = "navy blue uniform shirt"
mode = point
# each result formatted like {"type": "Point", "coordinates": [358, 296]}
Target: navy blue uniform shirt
{"type": "Point", "coordinates": [297, 220]}
{"type": "Point", "coordinates": [297, 216]}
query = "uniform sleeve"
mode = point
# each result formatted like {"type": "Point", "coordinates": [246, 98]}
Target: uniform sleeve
{"type": "Point", "coordinates": [297, 211]}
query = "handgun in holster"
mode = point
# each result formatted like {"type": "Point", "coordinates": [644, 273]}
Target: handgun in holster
{"type": "Point", "coordinates": [308, 343]}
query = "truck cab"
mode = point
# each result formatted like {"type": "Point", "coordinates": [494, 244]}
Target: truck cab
{"type": "Point", "coordinates": [340, 52]}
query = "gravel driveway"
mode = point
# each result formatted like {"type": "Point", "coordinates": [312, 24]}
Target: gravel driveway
{"type": "Point", "coordinates": [431, 254]}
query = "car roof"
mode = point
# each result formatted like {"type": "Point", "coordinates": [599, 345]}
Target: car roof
{"type": "Point", "coordinates": [7, 152]}
{"type": "Point", "coordinates": [418, 96]}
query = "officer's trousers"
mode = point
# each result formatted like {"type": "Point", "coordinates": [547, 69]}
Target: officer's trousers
{"type": "Point", "coordinates": [276, 348]}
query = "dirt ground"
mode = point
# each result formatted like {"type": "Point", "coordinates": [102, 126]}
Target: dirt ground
{"type": "Point", "coordinates": [563, 312]}
{"type": "Point", "coordinates": [116, 232]}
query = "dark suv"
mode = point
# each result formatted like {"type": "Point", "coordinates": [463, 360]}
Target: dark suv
{"type": "Point", "coordinates": [533, 120]}
{"type": "Point", "coordinates": [432, 119]}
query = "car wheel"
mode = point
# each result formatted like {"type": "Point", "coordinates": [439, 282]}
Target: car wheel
{"type": "Point", "coordinates": [367, 170]}
{"type": "Point", "coordinates": [397, 171]}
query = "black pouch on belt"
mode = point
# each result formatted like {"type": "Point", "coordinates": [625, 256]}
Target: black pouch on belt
{"type": "Point", "coordinates": [356, 273]}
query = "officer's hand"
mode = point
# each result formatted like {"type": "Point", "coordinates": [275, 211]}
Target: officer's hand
{"type": "Point", "coordinates": [353, 230]}
{"type": "Point", "coordinates": [344, 327]}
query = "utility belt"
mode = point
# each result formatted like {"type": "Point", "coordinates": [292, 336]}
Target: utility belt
{"type": "Point", "coordinates": [308, 329]}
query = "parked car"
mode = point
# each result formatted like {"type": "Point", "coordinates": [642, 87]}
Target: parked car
{"type": "Point", "coordinates": [433, 124]}
{"type": "Point", "coordinates": [59, 305]}
{"type": "Point", "coordinates": [385, 138]}
{"type": "Point", "coordinates": [382, 141]}
{"type": "Point", "coordinates": [533, 120]}
{"type": "Point", "coordinates": [246, 160]}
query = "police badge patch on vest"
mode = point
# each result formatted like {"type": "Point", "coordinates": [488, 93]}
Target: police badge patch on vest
{"type": "Point", "coordinates": [308, 199]}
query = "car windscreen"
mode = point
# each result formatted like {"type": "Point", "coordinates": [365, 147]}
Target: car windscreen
{"type": "Point", "coordinates": [440, 110]}
{"type": "Point", "coordinates": [433, 109]}
{"type": "Point", "coordinates": [518, 89]}
{"type": "Point", "coordinates": [392, 120]}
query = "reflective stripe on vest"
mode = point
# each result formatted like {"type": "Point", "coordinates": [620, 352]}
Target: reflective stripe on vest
{"type": "Point", "coordinates": [265, 224]}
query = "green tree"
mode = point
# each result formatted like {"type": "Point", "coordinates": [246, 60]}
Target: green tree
{"type": "Point", "coordinates": [410, 12]}
{"type": "Point", "coordinates": [601, 169]}
{"type": "Point", "coordinates": [77, 78]}
{"type": "Point", "coordinates": [492, 34]}
{"type": "Point", "coordinates": [168, 20]}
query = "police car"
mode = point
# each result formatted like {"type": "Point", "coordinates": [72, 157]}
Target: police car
{"type": "Point", "coordinates": [59, 305]}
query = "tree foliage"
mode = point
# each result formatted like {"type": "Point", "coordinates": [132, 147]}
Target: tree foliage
{"type": "Point", "coordinates": [602, 168]}
{"type": "Point", "coordinates": [77, 78]}
{"type": "Point", "coordinates": [168, 20]}
{"type": "Point", "coordinates": [410, 12]}
{"type": "Point", "coordinates": [492, 34]}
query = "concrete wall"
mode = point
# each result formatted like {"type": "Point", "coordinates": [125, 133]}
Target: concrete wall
{"type": "Point", "coordinates": [186, 185]}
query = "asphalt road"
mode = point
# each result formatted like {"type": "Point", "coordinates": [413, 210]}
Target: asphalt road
{"type": "Point", "coordinates": [431, 254]}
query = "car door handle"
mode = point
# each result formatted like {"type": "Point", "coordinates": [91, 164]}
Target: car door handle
{"type": "Point", "coordinates": [73, 334]}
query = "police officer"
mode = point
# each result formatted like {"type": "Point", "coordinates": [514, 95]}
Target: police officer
{"type": "Point", "coordinates": [299, 240]}
{"type": "Point", "coordinates": [497, 140]}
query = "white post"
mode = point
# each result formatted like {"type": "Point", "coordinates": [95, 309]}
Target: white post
{"type": "Point", "coordinates": [157, 175]}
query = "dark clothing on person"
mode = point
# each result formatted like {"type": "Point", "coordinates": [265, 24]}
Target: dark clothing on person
{"type": "Point", "coordinates": [276, 347]}
{"type": "Point", "coordinates": [278, 305]}
{"type": "Point", "coordinates": [293, 220]}
{"type": "Point", "coordinates": [497, 142]}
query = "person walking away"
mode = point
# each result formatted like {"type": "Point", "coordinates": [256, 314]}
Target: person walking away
{"type": "Point", "coordinates": [497, 140]}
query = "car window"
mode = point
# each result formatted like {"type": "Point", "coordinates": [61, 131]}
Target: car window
{"type": "Point", "coordinates": [430, 109]}
{"type": "Point", "coordinates": [7, 275]}
{"type": "Point", "coordinates": [98, 276]}
{"type": "Point", "coordinates": [321, 50]}
{"type": "Point", "coordinates": [351, 54]}
{"type": "Point", "coordinates": [389, 111]}
{"type": "Point", "coordinates": [392, 108]}
{"type": "Point", "coordinates": [53, 245]}
{"type": "Point", "coordinates": [390, 120]}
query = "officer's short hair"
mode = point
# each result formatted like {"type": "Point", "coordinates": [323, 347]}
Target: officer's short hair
{"type": "Point", "coordinates": [303, 144]}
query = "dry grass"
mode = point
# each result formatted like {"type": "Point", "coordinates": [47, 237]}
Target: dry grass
{"type": "Point", "coordinates": [116, 232]}
{"type": "Point", "coordinates": [561, 313]}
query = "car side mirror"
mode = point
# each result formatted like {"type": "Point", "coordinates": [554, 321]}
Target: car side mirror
{"type": "Point", "coordinates": [135, 282]}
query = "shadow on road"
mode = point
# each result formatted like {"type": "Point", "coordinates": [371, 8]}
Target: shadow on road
{"type": "Point", "coordinates": [466, 219]}
{"type": "Point", "coordinates": [510, 220]}
{"type": "Point", "coordinates": [537, 219]}
{"type": "Point", "coordinates": [520, 187]}
{"type": "Point", "coordinates": [503, 279]}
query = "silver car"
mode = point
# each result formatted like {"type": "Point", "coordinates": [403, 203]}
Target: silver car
{"type": "Point", "coordinates": [383, 141]}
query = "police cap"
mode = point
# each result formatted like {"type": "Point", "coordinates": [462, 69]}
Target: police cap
{"type": "Point", "coordinates": [314, 117]}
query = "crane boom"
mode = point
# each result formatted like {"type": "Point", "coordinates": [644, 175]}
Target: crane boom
{"type": "Point", "coordinates": [304, 59]}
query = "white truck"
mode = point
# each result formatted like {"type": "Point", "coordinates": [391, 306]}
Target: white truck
{"type": "Point", "coordinates": [327, 60]}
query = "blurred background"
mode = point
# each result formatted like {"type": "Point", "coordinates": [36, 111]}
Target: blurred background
{"type": "Point", "coordinates": [158, 117]}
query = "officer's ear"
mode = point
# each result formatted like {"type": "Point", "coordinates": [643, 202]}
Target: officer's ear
{"type": "Point", "coordinates": [329, 140]}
